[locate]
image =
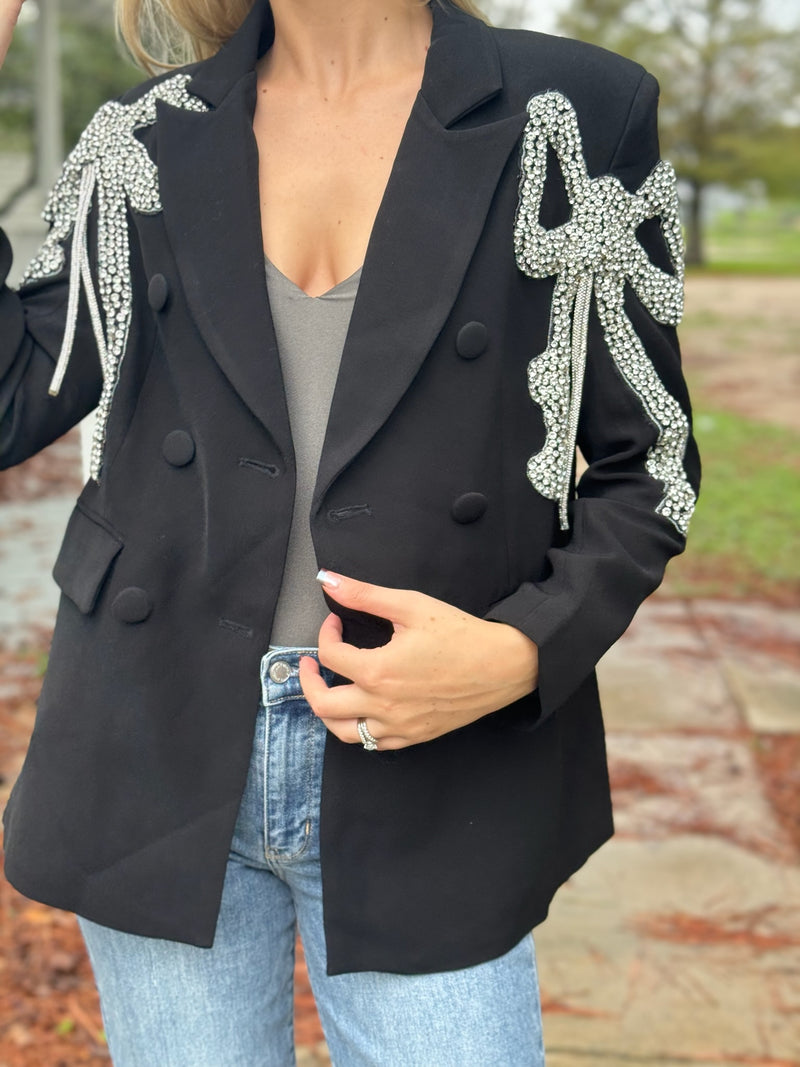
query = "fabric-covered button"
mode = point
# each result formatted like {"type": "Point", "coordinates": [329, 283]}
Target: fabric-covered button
{"type": "Point", "coordinates": [157, 292]}
{"type": "Point", "coordinates": [131, 605]}
{"type": "Point", "coordinates": [471, 340]}
{"type": "Point", "coordinates": [469, 507]}
{"type": "Point", "coordinates": [178, 448]}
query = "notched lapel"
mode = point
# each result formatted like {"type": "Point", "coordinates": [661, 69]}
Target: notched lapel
{"type": "Point", "coordinates": [208, 174]}
{"type": "Point", "coordinates": [428, 225]}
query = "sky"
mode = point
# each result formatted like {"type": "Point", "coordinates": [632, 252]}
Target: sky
{"type": "Point", "coordinates": [541, 14]}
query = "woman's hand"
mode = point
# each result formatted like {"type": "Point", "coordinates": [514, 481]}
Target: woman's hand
{"type": "Point", "coordinates": [9, 13]}
{"type": "Point", "coordinates": [441, 670]}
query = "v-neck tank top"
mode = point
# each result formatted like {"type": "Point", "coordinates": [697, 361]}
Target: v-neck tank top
{"type": "Point", "coordinates": [310, 332]}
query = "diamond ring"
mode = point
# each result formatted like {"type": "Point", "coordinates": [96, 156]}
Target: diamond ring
{"type": "Point", "coordinates": [367, 740]}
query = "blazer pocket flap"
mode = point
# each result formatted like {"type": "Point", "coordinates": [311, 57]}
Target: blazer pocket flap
{"type": "Point", "coordinates": [84, 559]}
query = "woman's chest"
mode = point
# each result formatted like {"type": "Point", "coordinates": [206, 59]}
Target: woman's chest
{"type": "Point", "coordinates": [323, 170]}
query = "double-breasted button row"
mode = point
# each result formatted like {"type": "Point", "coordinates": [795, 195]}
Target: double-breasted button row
{"type": "Point", "coordinates": [158, 292]}
{"type": "Point", "coordinates": [472, 340]}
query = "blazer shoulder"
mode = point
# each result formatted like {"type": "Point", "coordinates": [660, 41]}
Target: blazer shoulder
{"type": "Point", "coordinates": [563, 58]}
{"type": "Point", "coordinates": [611, 95]}
{"type": "Point", "coordinates": [538, 62]}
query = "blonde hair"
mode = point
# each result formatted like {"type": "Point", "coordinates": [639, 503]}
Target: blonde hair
{"type": "Point", "coordinates": [162, 34]}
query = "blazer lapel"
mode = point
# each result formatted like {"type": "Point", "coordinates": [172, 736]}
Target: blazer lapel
{"type": "Point", "coordinates": [208, 167]}
{"type": "Point", "coordinates": [212, 217]}
{"type": "Point", "coordinates": [432, 214]}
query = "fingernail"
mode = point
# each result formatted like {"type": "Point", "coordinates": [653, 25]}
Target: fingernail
{"type": "Point", "coordinates": [327, 579]}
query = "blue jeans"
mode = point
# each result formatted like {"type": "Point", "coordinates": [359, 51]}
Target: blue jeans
{"type": "Point", "coordinates": [167, 1004]}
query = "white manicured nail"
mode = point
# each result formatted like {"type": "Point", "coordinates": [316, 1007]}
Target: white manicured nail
{"type": "Point", "coordinates": [328, 579]}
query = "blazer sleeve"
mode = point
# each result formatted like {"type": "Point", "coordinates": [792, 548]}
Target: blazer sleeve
{"type": "Point", "coordinates": [621, 536]}
{"type": "Point", "coordinates": [32, 327]}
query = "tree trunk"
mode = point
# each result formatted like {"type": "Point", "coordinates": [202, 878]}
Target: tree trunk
{"type": "Point", "coordinates": [694, 226]}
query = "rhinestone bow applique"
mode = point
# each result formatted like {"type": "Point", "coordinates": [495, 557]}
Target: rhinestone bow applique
{"type": "Point", "coordinates": [597, 249]}
{"type": "Point", "coordinates": [107, 160]}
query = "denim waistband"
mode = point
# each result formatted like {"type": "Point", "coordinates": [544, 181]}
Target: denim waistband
{"type": "Point", "coordinates": [280, 680]}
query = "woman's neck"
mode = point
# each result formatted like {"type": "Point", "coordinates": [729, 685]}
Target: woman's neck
{"type": "Point", "coordinates": [336, 46]}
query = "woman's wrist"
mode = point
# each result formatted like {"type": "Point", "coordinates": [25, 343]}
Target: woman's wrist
{"type": "Point", "coordinates": [519, 655]}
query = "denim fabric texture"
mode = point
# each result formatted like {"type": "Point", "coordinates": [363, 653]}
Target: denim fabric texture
{"type": "Point", "coordinates": [169, 1004]}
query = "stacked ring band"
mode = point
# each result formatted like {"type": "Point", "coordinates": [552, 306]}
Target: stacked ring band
{"type": "Point", "coordinates": [367, 740]}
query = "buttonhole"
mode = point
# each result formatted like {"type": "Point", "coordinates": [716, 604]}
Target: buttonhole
{"type": "Point", "coordinates": [236, 627]}
{"type": "Point", "coordinates": [257, 465]}
{"type": "Point", "coordinates": [350, 512]}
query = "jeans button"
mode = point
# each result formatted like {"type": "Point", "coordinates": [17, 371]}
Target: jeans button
{"type": "Point", "coordinates": [280, 671]}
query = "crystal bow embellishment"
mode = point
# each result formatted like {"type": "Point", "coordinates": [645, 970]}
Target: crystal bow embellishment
{"type": "Point", "coordinates": [597, 249]}
{"type": "Point", "coordinates": [110, 162]}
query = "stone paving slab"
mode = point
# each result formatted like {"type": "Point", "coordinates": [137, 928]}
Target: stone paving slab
{"type": "Point", "coordinates": [566, 1057]}
{"type": "Point", "coordinates": [768, 692]}
{"type": "Point", "coordinates": [704, 666]}
{"type": "Point", "coordinates": [688, 947]}
{"type": "Point", "coordinates": [660, 676]}
{"type": "Point", "coordinates": [757, 647]}
{"type": "Point", "coordinates": [665, 784]}
{"type": "Point", "coordinates": [749, 625]}
{"type": "Point", "coordinates": [313, 1056]}
{"type": "Point", "coordinates": [30, 536]}
{"type": "Point", "coordinates": [648, 690]}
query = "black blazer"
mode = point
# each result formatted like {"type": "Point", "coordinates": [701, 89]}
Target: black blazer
{"type": "Point", "coordinates": [447, 468]}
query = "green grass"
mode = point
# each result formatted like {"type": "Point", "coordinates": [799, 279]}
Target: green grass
{"type": "Point", "coordinates": [743, 539]}
{"type": "Point", "coordinates": [766, 269]}
{"type": "Point", "coordinates": [763, 240]}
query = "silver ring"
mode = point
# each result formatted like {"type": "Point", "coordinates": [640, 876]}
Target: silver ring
{"type": "Point", "coordinates": [367, 740]}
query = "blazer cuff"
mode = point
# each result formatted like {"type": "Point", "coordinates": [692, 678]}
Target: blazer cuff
{"type": "Point", "coordinates": [540, 617]}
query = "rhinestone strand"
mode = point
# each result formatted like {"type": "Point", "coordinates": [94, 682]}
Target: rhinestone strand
{"type": "Point", "coordinates": [110, 162]}
{"type": "Point", "coordinates": [598, 247]}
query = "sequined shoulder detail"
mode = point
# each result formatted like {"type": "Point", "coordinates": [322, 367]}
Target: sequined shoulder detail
{"type": "Point", "coordinates": [597, 249]}
{"type": "Point", "coordinates": [108, 161]}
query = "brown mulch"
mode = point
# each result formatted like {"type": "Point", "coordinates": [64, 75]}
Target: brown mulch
{"type": "Point", "coordinates": [49, 1008]}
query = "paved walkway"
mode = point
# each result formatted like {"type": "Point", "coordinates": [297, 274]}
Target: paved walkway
{"type": "Point", "coordinates": [679, 942]}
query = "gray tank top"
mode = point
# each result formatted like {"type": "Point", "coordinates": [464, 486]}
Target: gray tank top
{"type": "Point", "coordinates": [310, 332]}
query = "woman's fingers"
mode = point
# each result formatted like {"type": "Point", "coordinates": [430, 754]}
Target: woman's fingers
{"type": "Point", "coordinates": [332, 702]}
{"type": "Point", "coordinates": [356, 664]}
{"type": "Point", "coordinates": [397, 605]}
{"type": "Point", "coordinates": [347, 730]}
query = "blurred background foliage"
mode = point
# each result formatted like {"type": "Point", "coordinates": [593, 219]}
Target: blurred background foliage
{"type": "Point", "coordinates": [94, 68]}
{"type": "Point", "coordinates": [730, 95]}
